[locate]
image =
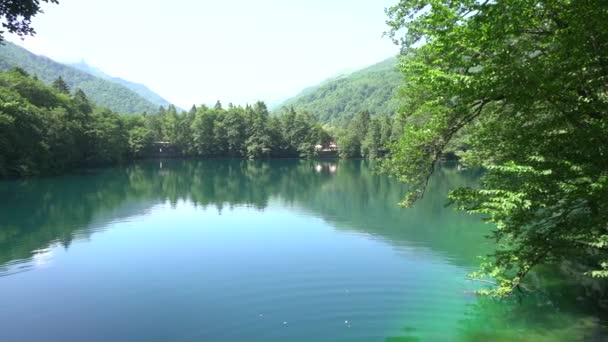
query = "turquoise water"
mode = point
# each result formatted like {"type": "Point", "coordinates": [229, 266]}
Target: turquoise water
{"type": "Point", "coordinates": [255, 251]}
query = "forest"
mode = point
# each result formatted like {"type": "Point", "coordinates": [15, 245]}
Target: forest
{"type": "Point", "coordinates": [49, 129]}
{"type": "Point", "coordinates": [339, 99]}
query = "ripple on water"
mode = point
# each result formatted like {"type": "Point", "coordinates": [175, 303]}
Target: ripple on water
{"type": "Point", "coordinates": [324, 302]}
{"type": "Point", "coordinates": [40, 258]}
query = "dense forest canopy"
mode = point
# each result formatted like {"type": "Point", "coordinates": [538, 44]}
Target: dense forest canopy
{"type": "Point", "coordinates": [340, 99]}
{"type": "Point", "coordinates": [528, 81]}
{"type": "Point", "coordinates": [50, 129]}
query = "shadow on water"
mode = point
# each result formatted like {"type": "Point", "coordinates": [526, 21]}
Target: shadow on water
{"type": "Point", "coordinates": [41, 213]}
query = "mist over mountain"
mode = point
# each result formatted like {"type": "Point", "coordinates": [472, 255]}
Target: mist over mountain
{"type": "Point", "coordinates": [103, 92]}
{"type": "Point", "coordinates": [138, 88]}
{"type": "Point", "coordinates": [340, 98]}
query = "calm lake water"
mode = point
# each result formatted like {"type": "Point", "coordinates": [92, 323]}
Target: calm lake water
{"type": "Point", "coordinates": [256, 251]}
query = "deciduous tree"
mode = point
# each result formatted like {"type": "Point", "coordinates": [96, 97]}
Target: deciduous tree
{"type": "Point", "coordinates": [528, 81]}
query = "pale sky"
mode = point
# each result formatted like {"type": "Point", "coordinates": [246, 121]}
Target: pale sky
{"type": "Point", "coordinates": [193, 52]}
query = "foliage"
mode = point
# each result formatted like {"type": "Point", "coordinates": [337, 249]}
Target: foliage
{"type": "Point", "coordinates": [50, 129]}
{"type": "Point", "coordinates": [140, 138]}
{"type": "Point", "coordinates": [138, 88]}
{"type": "Point", "coordinates": [366, 136]}
{"type": "Point", "coordinates": [340, 99]}
{"type": "Point", "coordinates": [17, 15]}
{"type": "Point", "coordinates": [60, 86]}
{"type": "Point", "coordinates": [46, 129]}
{"type": "Point", "coordinates": [527, 81]}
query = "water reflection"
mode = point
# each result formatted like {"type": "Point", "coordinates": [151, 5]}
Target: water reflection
{"type": "Point", "coordinates": [40, 214]}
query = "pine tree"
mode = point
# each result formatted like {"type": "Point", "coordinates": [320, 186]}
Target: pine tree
{"type": "Point", "coordinates": [60, 86]}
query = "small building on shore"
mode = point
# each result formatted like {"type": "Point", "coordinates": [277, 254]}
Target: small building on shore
{"type": "Point", "coordinates": [331, 146]}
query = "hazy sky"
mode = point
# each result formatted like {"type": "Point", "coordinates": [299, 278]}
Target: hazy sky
{"type": "Point", "coordinates": [198, 51]}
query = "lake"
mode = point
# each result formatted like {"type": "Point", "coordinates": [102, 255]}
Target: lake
{"type": "Point", "coordinates": [282, 250]}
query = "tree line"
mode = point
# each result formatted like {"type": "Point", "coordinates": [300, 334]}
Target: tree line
{"type": "Point", "coordinates": [367, 136]}
{"type": "Point", "coordinates": [50, 129]}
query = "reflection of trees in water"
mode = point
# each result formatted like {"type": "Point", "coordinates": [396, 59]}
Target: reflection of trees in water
{"type": "Point", "coordinates": [359, 199]}
{"type": "Point", "coordinates": [555, 313]}
{"type": "Point", "coordinates": [558, 310]}
{"type": "Point", "coordinates": [42, 211]}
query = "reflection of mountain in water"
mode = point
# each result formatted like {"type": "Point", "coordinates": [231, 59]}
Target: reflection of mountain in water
{"type": "Point", "coordinates": [38, 214]}
{"type": "Point", "coordinates": [44, 211]}
{"type": "Point", "coordinates": [359, 199]}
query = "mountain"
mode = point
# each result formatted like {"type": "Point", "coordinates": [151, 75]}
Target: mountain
{"type": "Point", "coordinates": [138, 88]}
{"type": "Point", "coordinates": [103, 92]}
{"type": "Point", "coordinates": [373, 89]}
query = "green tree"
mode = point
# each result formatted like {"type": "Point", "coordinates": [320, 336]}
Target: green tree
{"type": "Point", "coordinates": [82, 103]}
{"type": "Point", "coordinates": [193, 110]}
{"type": "Point", "coordinates": [527, 80]}
{"type": "Point", "coordinates": [349, 145]}
{"type": "Point", "coordinates": [360, 123]}
{"type": "Point", "coordinates": [288, 131]}
{"type": "Point", "coordinates": [236, 130]}
{"type": "Point", "coordinates": [372, 144]}
{"type": "Point", "coordinates": [350, 139]}
{"type": "Point", "coordinates": [108, 138]}
{"type": "Point", "coordinates": [154, 123]}
{"type": "Point", "coordinates": [185, 141]}
{"type": "Point", "coordinates": [324, 138]}
{"type": "Point", "coordinates": [259, 143]}
{"type": "Point", "coordinates": [21, 135]}
{"type": "Point", "coordinates": [60, 86]}
{"type": "Point", "coordinates": [220, 139]}
{"type": "Point", "coordinates": [140, 137]}
{"type": "Point", "coordinates": [386, 131]}
{"type": "Point", "coordinates": [203, 141]}
{"type": "Point", "coordinates": [172, 128]}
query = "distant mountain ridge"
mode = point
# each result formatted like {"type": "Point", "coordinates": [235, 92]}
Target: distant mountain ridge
{"type": "Point", "coordinates": [343, 96]}
{"type": "Point", "coordinates": [103, 92]}
{"type": "Point", "coordinates": [138, 88]}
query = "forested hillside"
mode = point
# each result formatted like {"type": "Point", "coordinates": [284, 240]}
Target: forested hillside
{"type": "Point", "coordinates": [50, 129]}
{"type": "Point", "coordinates": [372, 89]}
{"type": "Point", "coordinates": [139, 88]}
{"type": "Point", "coordinates": [102, 92]}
